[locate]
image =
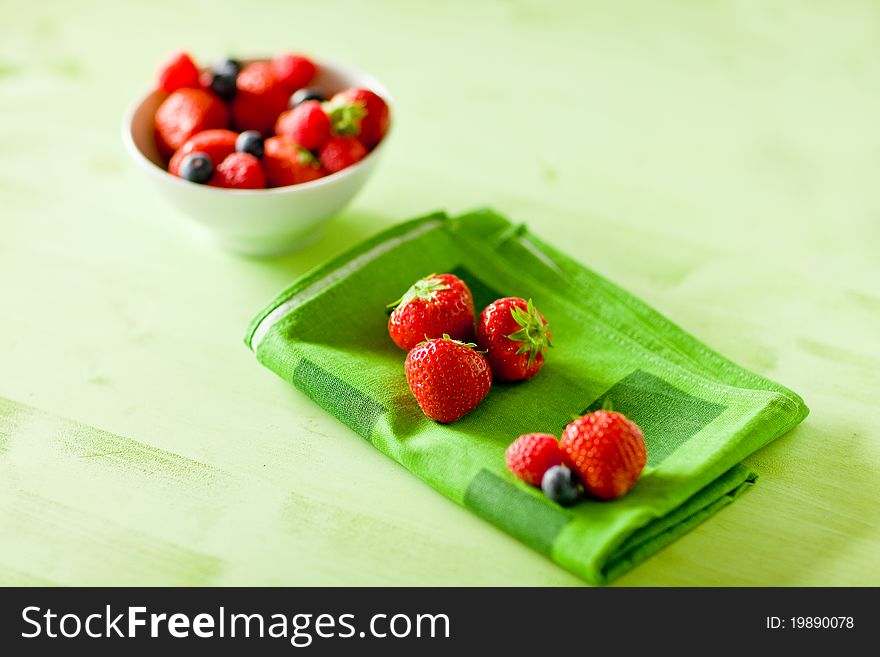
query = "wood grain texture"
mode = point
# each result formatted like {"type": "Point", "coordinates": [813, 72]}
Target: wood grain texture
{"type": "Point", "coordinates": [717, 159]}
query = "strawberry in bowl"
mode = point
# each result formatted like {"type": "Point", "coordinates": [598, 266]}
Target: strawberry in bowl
{"type": "Point", "coordinates": [259, 153]}
{"type": "Point", "coordinates": [263, 98]}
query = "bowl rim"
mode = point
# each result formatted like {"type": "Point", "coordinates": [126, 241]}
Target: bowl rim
{"type": "Point", "coordinates": [370, 82]}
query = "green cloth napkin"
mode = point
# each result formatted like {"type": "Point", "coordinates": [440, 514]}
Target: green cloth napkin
{"type": "Point", "coordinates": [700, 414]}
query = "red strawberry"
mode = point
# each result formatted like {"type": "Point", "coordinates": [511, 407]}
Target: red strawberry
{"type": "Point", "coordinates": [447, 378]}
{"type": "Point", "coordinates": [306, 124]}
{"type": "Point", "coordinates": [287, 163]}
{"type": "Point", "coordinates": [239, 171]}
{"type": "Point", "coordinates": [184, 113]}
{"type": "Point", "coordinates": [178, 72]}
{"type": "Point", "coordinates": [606, 450]}
{"type": "Point", "coordinates": [259, 99]}
{"type": "Point", "coordinates": [434, 305]}
{"type": "Point", "coordinates": [360, 113]}
{"type": "Point", "coordinates": [337, 153]}
{"type": "Point", "coordinates": [293, 71]}
{"type": "Point", "coordinates": [531, 455]}
{"type": "Point", "coordinates": [217, 144]}
{"type": "Point", "coordinates": [515, 336]}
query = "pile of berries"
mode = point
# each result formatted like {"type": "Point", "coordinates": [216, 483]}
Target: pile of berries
{"type": "Point", "coordinates": [257, 125]}
{"type": "Point", "coordinates": [602, 452]}
{"type": "Point", "coordinates": [434, 321]}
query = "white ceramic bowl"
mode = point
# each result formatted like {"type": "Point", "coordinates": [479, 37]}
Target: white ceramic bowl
{"type": "Point", "coordinates": [260, 221]}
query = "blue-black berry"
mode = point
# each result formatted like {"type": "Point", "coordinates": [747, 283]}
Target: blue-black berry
{"type": "Point", "coordinates": [197, 167]}
{"type": "Point", "coordinates": [306, 93]}
{"type": "Point", "coordinates": [250, 141]}
{"type": "Point", "coordinates": [560, 485]}
{"type": "Point", "coordinates": [223, 77]}
{"type": "Point", "coordinates": [227, 65]}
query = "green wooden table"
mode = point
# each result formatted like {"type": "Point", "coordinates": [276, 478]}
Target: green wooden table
{"type": "Point", "coordinates": [720, 160]}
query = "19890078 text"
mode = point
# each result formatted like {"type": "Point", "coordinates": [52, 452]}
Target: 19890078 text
{"type": "Point", "coordinates": [810, 623]}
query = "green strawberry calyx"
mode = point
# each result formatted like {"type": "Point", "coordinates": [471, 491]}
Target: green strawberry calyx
{"type": "Point", "coordinates": [534, 334]}
{"type": "Point", "coordinates": [306, 158]}
{"type": "Point", "coordinates": [425, 289]}
{"type": "Point", "coordinates": [345, 117]}
{"type": "Point", "coordinates": [448, 338]}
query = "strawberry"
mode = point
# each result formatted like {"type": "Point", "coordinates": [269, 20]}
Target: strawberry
{"type": "Point", "coordinates": [531, 455]}
{"type": "Point", "coordinates": [217, 144]}
{"type": "Point", "coordinates": [239, 171]}
{"type": "Point", "coordinates": [606, 450]}
{"type": "Point", "coordinates": [178, 72]}
{"type": "Point", "coordinates": [515, 336]}
{"type": "Point", "coordinates": [360, 113]}
{"type": "Point", "coordinates": [287, 163]}
{"type": "Point", "coordinates": [434, 305]}
{"type": "Point", "coordinates": [293, 71]}
{"type": "Point", "coordinates": [306, 124]}
{"type": "Point", "coordinates": [337, 153]}
{"type": "Point", "coordinates": [259, 99]}
{"type": "Point", "coordinates": [184, 113]}
{"type": "Point", "coordinates": [447, 378]}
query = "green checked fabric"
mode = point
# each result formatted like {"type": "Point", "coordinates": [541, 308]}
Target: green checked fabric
{"type": "Point", "coordinates": [701, 414]}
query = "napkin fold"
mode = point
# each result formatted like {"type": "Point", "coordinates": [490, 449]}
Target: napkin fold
{"type": "Point", "coordinates": [700, 413]}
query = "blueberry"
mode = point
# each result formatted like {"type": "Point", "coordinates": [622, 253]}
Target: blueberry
{"type": "Point", "coordinates": [250, 141]}
{"type": "Point", "coordinates": [197, 167]}
{"type": "Point", "coordinates": [560, 485]}
{"type": "Point", "coordinates": [227, 65]}
{"type": "Point", "coordinates": [223, 76]}
{"type": "Point", "coordinates": [306, 93]}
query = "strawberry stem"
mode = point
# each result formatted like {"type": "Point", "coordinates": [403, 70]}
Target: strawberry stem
{"type": "Point", "coordinates": [345, 117]}
{"type": "Point", "coordinates": [425, 288]}
{"type": "Point", "coordinates": [446, 336]}
{"type": "Point", "coordinates": [306, 158]}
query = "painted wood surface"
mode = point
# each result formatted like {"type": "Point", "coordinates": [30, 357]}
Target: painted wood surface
{"type": "Point", "coordinates": [718, 159]}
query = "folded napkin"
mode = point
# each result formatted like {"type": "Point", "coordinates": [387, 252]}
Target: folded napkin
{"type": "Point", "coordinates": [700, 414]}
